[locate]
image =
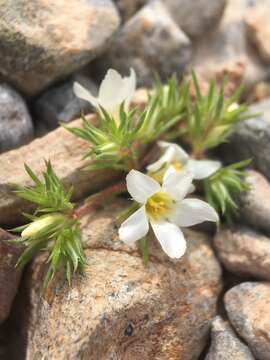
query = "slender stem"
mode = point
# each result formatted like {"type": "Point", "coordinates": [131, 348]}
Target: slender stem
{"type": "Point", "coordinates": [97, 198]}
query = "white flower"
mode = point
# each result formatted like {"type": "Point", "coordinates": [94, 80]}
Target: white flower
{"type": "Point", "coordinates": [176, 159]}
{"type": "Point", "coordinates": [113, 91]}
{"type": "Point", "coordinates": [165, 208]}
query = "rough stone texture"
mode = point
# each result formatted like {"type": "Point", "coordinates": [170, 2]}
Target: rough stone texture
{"type": "Point", "coordinates": [16, 126]}
{"type": "Point", "coordinates": [226, 50]}
{"type": "Point", "coordinates": [59, 104]}
{"type": "Point", "coordinates": [196, 17]}
{"type": "Point", "coordinates": [127, 8]}
{"type": "Point", "coordinates": [248, 308]}
{"type": "Point", "coordinates": [258, 29]}
{"type": "Point", "coordinates": [244, 251]}
{"type": "Point", "coordinates": [42, 41]}
{"type": "Point", "coordinates": [251, 139]}
{"type": "Point", "coordinates": [121, 309]}
{"type": "Point", "coordinates": [225, 345]}
{"type": "Point", "coordinates": [254, 206]}
{"type": "Point", "coordinates": [9, 276]}
{"type": "Point", "coordinates": [150, 41]}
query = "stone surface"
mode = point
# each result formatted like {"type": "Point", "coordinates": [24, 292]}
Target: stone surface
{"type": "Point", "coordinates": [251, 139]}
{"type": "Point", "coordinates": [248, 308]}
{"type": "Point", "coordinates": [226, 51]}
{"type": "Point", "coordinates": [9, 276]}
{"type": "Point", "coordinates": [258, 29]}
{"type": "Point", "coordinates": [42, 41]}
{"type": "Point", "coordinates": [254, 206]}
{"type": "Point", "coordinates": [127, 8]}
{"type": "Point", "coordinates": [244, 252]}
{"type": "Point", "coordinates": [59, 104]}
{"type": "Point", "coordinates": [225, 345]}
{"type": "Point", "coordinates": [196, 17]}
{"type": "Point", "coordinates": [121, 309]}
{"type": "Point", "coordinates": [149, 42]}
{"type": "Point", "coordinates": [16, 126]}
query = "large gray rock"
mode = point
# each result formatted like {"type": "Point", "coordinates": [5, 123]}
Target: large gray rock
{"type": "Point", "coordinates": [251, 139]}
{"type": "Point", "coordinates": [127, 8]}
{"type": "Point", "coordinates": [9, 275]}
{"type": "Point", "coordinates": [196, 17]}
{"type": "Point", "coordinates": [244, 251]}
{"type": "Point", "coordinates": [248, 308]}
{"type": "Point", "coordinates": [149, 42]}
{"type": "Point", "coordinates": [225, 345]}
{"type": "Point", "coordinates": [121, 309]}
{"type": "Point", "coordinates": [16, 126]}
{"type": "Point", "coordinates": [226, 50]}
{"type": "Point", "coordinates": [59, 103]}
{"type": "Point", "coordinates": [42, 41]}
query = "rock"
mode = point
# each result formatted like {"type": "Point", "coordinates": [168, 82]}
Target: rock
{"type": "Point", "coordinates": [244, 251]}
{"type": "Point", "coordinates": [9, 275]}
{"type": "Point", "coordinates": [121, 309]}
{"type": "Point", "coordinates": [258, 29]}
{"type": "Point", "coordinates": [254, 206]}
{"type": "Point", "coordinates": [127, 8]}
{"type": "Point", "coordinates": [149, 42]}
{"type": "Point", "coordinates": [225, 345]}
{"type": "Point", "coordinates": [248, 308]}
{"type": "Point", "coordinates": [59, 104]}
{"type": "Point", "coordinates": [226, 51]}
{"type": "Point", "coordinates": [259, 92]}
{"type": "Point", "coordinates": [196, 17]}
{"type": "Point", "coordinates": [251, 139]}
{"type": "Point", "coordinates": [43, 41]}
{"type": "Point", "coordinates": [16, 126]}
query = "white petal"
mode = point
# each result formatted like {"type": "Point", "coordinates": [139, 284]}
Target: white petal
{"type": "Point", "coordinates": [141, 186]}
{"type": "Point", "coordinates": [130, 87]}
{"type": "Point", "coordinates": [202, 168]}
{"type": "Point", "coordinates": [179, 152]}
{"type": "Point", "coordinates": [190, 212]}
{"type": "Point", "coordinates": [167, 157]}
{"type": "Point", "coordinates": [110, 88]}
{"type": "Point", "coordinates": [171, 239]}
{"type": "Point", "coordinates": [135, 227]}
{"type": "Point", "coordinates": [177, 184]}
{"type": "Point", "coordinates": [84, 94]}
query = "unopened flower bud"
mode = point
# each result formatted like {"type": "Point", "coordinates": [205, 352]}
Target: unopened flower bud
{"type": "Point", "coordinates": [40, 224]}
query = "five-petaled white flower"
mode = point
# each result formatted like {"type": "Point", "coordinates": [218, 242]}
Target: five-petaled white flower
{"type": "Point", "coordinates": [165, 208]}
{"type": "Point", "coordinates": [176, 159]}
{"type": "Point", "coordinates": [114, 90]}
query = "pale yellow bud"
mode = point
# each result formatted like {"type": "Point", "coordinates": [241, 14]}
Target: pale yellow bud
{"type": "Point", "coordinates": [233, 107]}
{"type": "Point", "coordinates": [38, 225]}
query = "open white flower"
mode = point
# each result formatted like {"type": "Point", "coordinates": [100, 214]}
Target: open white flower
{"type": "Point", "coordinates": [113, 91]}
{"type": "Point", "coordinates": [176, 159]}
{"type": "Point", "coordinates": [165, 208]}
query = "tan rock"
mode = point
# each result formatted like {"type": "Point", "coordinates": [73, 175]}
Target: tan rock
{"type": "Point", "coordinates": [226, 51]}
{"type": "Point", "coordinates": [244, 251]}
{"type": "Point", "coordinates": [47, 40]}
{"type": "Point", "coordinates": [9, 276]}
{"type": "Point", "coordinates": [121, 309]}
{"type": "Point", "coordinates": [258, 29]}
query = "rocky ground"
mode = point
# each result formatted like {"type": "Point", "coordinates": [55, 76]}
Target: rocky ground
{"type": "Point", "coordinates": [214, 304]}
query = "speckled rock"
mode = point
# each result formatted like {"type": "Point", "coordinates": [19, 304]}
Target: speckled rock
{"type": "Point", "coordinates": [121, 309]}
{"type": "Point", "coordinates": [251, 139]}
{"type": "Point", "coordinates": [248, 308]}
{"type": "Point", "coordinates": [42, 41]}
{"type": "Point", "coordinates": [226, 51]}
{"type": "Point", "coordinates": [149, 42]}
{"type": "Point", "coordinates": [16, 126]}
{"type": "Point", "coordinates": [258, 29]}
{"type": "Point", "coordinates": [225, 345]}
{"type": "Point", "coordinates": [9, 276]}
{"type": "Point", "coordinates": [127, 8]}
{"type": "Point", "coordinates": [244, 251]}
{"type": "Point", "coordinates": [59, 103]}
{"type": "Point", "coordinates": [254, 206]}
{"type": "Point", "coordinates": [196, 17]}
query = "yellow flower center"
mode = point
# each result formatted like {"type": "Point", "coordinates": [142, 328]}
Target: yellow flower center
{"type": "Point", "coordinates": [177, 165]}
{"type": "Point", "coordinates": [159, 174]}
{"type": "Point", "coordinates": [158, 205]}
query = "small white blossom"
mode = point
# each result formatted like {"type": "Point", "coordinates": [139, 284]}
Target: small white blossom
{"type": "Point", "coordinates": [165, 208]}
{"type": "Point", "coordinates": [113, 91]}
{"type": "Point", "coordinates": [176, 159]}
